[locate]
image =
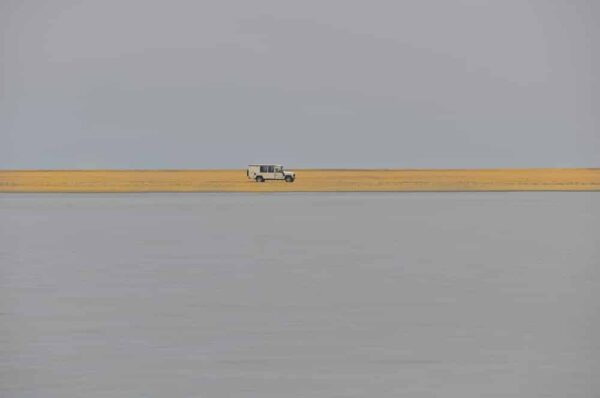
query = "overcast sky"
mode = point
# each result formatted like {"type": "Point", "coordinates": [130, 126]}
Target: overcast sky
{"type": "Point", "coordinates": [306, 83]}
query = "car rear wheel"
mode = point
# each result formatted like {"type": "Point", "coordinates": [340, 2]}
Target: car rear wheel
{"type": "Point", "coordinates": [260, 179]}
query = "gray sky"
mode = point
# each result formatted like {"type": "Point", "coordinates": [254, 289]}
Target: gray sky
{"type": "Point", "coordinates": [311, 83]}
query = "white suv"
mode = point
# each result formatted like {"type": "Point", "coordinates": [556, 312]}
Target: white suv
{"type": "Point", "coordinates": [261, 172]}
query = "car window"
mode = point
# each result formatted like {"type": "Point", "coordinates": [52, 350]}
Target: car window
{"type": "Point", "coordinates": [271, 169]}
{"type": "Point", "coordinates": [263, 169]}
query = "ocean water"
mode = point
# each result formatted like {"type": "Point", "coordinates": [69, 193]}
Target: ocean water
{"type": "Point", "coordinates": [300, 295]}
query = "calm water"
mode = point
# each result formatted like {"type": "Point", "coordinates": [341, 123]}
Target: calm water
{"type": "Point", "coordinates": [300, 295]}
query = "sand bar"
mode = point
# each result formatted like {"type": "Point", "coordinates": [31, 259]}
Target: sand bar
{"type": "Point", "coordinates": [308, 180]}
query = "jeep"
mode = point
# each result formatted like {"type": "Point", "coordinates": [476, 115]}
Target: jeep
{"type": "Point", "coordinates": [261, 172]}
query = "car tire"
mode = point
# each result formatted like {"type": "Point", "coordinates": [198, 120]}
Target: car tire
{"type": "Point", "coordinates": [289, 179]}
{"type": "Point", "coordinates": [260, 179]}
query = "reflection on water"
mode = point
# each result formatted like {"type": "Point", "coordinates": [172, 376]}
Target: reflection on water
{"type": "Point", "coordinates": [300, 295]}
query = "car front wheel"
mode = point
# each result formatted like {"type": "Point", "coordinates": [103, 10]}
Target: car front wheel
{"type": "Point", "coordinates": [289, 179]}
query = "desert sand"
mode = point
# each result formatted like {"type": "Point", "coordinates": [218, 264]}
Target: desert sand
{"type": "Point", "coordinates": [308, 180]}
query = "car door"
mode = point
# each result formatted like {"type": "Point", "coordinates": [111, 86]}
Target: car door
{"type": "Point", "coordinates": [264, 172]}
{"type": "Point", "coordinates": [270, 173]}
{"type": "Point", "coordinates": [279, 173]}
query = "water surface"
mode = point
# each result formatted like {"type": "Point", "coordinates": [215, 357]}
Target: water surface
{"type": "Point", "coordinates": [300, 295]}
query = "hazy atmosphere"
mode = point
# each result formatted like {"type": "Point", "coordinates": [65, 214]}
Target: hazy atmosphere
{"type": "Point", "coordinates": [213, 84]}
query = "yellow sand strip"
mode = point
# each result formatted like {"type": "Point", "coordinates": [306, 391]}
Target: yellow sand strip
{"type": "Point", "coordinates": [306, 180]}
